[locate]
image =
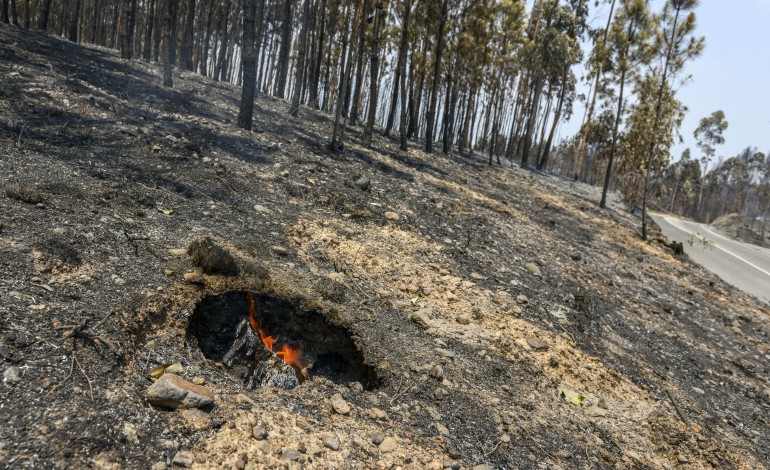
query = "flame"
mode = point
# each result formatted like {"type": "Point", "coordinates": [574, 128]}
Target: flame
{"type": "Point", "coordinates": [291, 355]}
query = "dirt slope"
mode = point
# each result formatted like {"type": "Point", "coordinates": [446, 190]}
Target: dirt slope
{"type": "Point", "coordinates": [738, 228]}
{"type": "Point", "coordinates": [522, 285]}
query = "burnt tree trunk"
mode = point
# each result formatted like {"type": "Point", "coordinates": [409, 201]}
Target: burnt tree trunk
{"type": "Point", "coordinates": [379, 17]}
{"type": "Point", "coordinates": [127, 30]}
{"type": "Point", "coordinates": [283, 58]}
{"type": "Point", "coordinates": [72, 34]}
{"type": "Point", "coordinates": [260, 366]}
{"type": "Point", "coordinates": [300, 74]}
{"type": "Point", "coordinates": [436, 78]}
{"type": "Point", "coordinates": [45, 10]}
{"type": "Point", "coordinates": [186, 53]}
{"type": "Point", "coordinates": [168, 44]}
{"type": "Point", "coordinates": [403, 50]}
{"type": "Point", "coordinates": [359, 68]}
{"type": "Point", "coordinates": [248, 64]}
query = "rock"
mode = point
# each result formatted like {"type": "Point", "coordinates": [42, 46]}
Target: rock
{"type": "Point", "coordinates": [463, 320]}
{"type": "Point", "coordinates": [505, 438]}
{"type": "Point", "coordinates": [279, 250]}
{"type": "Point", "coordinates": [363, 183]}
{"type": "Point", "coordinates": [533, 268]}
{"type": "Point", "coordinates": [388, 445]}
{"type": "Point", "coordinates": [477, 276]}
{"type": "Point", "coordinates": [261, 208]}
{"type": "Point", "coordinates": [259, 433]}
{"type": "Point", "coordinates": [212, 258]}
{"type": "Point", "coordinates": [421, 319]}
{"type": "Point", "coordinates": [443, 430]}
{"type": "Point", "coordinates": [158, 466]}
{"type": "Point", "coordinates": [340, 405]}
{"type": "Point", "coordinates": [291, 454]}
{"type": "Point", "coordinates": [196, 419]}
{"type": "Point", "coordinates": [392, 216]}
{"type": "Point", "coordinates": [199, 381]}
{"type": "Point", "coordinates": [172, 391]}
{"type": "Point", "coordinates": [11, 376]}
{"type": "Point", "coordinates": [437, 372]}
{"type": "Point", "coordinates": [194, 278]}
{"type": "Point", "coordinates": [129, 432]}
{"type": "Point", "coordinates": [378, 438]}
{"type": "Point", "coordinates": [440, 393]}
{"type": "Point", "coordinates": [595, 412]}
{"type": "Point", "coordinates": [330, 441]}
{"type": "Point", "coordinates": [699, 390]}
{"type": "Point", "coordinates": [522, 299]}
{"type": "Point", "coordinates": [602, 404]}
{"type": "Point", "coordinates": [183, 459]}
{"type": "Point", "coordinates": [483, 466]}
{"type": "Point", "coordinates": [378, 414]}
{"type": "Point", "coordinates": [242, 399]}
{"type": "Point", "coordinates": [537, 344]}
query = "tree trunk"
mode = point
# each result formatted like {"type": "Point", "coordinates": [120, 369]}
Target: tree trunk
{"type": "Point", "coordinates": [337, 133]}
{"type": "Point", "coordinates": [403, 50]}
{"type": "Point", "coordinates": [5, 17]}
{"type": "Point", "coordinates": [557, 117]}
{"type": "Point", "coordinates": [359, 67]}
{"type": "Point", "coordinates": [299, 78]}
{"type": "Point", "coordinates": [168, 44]}
{"type": "Point", "coordinates": [72, 35]}
{"type": "Point", "coordinates": [436, 77]}
{"type": "Point", "coordinates": [614, 147]}
{"type": "Point", "coordinates": [221, 69]}
{"type": "Point", "coordinates": [283, 60]}
{"type": "Point", "coordinates": [15, 13]}
{"type": "Point", "coordinates": [374, 68]}
{"type": "Point", "coordinates": [316, 66]}
{"type": "Point", "coordinates": [248, 64]}
{"type": "Point", "coordinates": [186, 53]}
{"type": "Point", "coordinates": [150, 23]}
{"type": "Point", "coordinates": [127, 30]}
{"type": "Point", "coordinates": [45, 9]}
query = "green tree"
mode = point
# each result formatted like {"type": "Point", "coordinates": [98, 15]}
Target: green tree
{"type": "Point", "coordinates": [676, 45]}
{"type": "Point", "coordinates": [708, 135]}
{"type": "Point", "coordinates": [629, 48]}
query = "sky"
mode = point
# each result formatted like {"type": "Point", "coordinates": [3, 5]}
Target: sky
{"type": "Point", "coordinates": [732, 74]}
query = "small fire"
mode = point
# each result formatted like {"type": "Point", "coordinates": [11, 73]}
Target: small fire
{"type": "Point", "coordinates": [290, 355]}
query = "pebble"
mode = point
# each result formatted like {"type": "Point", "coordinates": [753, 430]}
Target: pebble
{"type": "Point", "coordinates": [183, 459]}
{"type": "Point", "coordinates": [392, 216]}
{"type": "Point", "coordinates": [533, 268]}
{"type": "Point", "coordinates": [259, 433]}
{"type": "Point", "coordinates": [199, 381]}
{"type": "Point", "coordinates": [437, 372]}
{"type": "Point", "coordinates": [331, 441]}
{"type": "Point", "coordinates": [483, 466]}
{"type": "Point", "coordinates": [279, 250]}
{"type": "Point", "coordinates": [522, 299]}
{"type": "Point", "coordinates": [172, 391]}
{"type": "Point", "coordinates": [388, 444]}
{"type": "Point", "coordinates": [602, 404]}
{"type": "Point", "coordinates": [378, 414]}
{"type": "Point", "coordinates": [378, 438]}
{"type": "Point", "coordinates": [463, 319]}
{"type": "Point", "coordinates": [340, 405]}
{"type": "Point", "coordinates": [193, 278]}
{"type": "Point", "coordinates": [11, 376]}
{"type": "Point", "coordinates": [363, 183]}
{"type": "Point", "coordinates": [261, 208]}
{"type": "Point", "coordinates": [421, 319]}
{"type": "Point", "coordinates": [537, 344]}
{"type": "Point", "coordinates": [291, 454]}
{"type": "Point", "coordinates": [129, 432]}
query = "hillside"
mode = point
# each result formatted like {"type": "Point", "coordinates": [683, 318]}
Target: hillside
{"type": "Point", "coordinates": [474, 295]}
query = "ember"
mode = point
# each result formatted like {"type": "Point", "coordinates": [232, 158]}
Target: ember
{"type": "Point", "coordinates": [291, 355]}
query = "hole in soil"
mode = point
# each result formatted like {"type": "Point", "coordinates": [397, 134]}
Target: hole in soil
{"type": "Point", "coordinates": [281, 336]}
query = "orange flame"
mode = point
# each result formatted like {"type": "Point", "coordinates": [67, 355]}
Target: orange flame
{"type": "Point", "coordinates": [290, 355]}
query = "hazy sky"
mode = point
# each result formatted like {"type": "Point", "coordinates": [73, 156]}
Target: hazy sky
{"type": "Point", "coordinates": [732, 74]}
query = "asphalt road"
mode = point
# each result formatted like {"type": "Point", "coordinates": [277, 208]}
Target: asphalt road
{"type": "Point", "coordinates": [742, 265]}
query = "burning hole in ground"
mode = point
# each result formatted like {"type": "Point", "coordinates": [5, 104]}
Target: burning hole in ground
{"type": "Point", "coordinates": [269, 341]}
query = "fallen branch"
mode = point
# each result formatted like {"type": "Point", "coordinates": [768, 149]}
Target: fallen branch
{"type": "Point", "coordinates": [676, 407]}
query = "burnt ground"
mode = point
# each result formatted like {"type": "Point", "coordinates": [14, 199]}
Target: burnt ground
{"type": "Point", "coordinates": [107, 178]}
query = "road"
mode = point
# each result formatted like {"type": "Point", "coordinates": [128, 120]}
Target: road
{"type": "Point", "coordinates": [745, 266]}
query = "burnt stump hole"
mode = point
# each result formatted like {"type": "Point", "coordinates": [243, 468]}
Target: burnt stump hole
{"type": "Point", "coordinates": [328, 349]}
